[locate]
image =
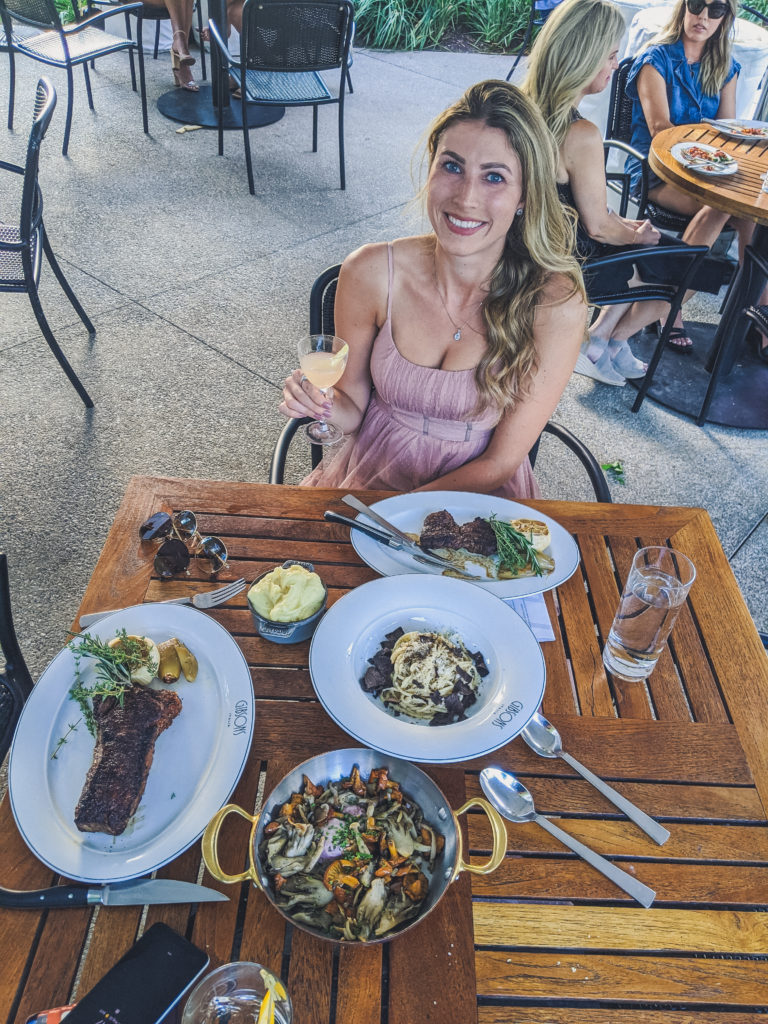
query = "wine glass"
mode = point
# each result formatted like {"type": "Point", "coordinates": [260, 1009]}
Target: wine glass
{"type": "Point", "coordinates": [322, 358]}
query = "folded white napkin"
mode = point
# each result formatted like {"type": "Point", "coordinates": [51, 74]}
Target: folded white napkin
{"type": "Point", "coordinates": [533, 610]}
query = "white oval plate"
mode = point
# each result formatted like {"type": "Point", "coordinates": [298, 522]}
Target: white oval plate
{"type": "Point", "coordinates": [732, 128]}
{"type": "Point", "coordinates": [407, 511]}
{"type": "Point", "coordinates": [679, 148]}
{"type": "Point", "coordinates": [197, 763]}
{"type": "Point", "coordinates": [352, 630]}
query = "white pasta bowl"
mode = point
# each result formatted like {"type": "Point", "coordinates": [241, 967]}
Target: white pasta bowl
{"type": "Point", "coordinates": [352, 631]}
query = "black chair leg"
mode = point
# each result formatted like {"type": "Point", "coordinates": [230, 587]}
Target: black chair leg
{"type": "Point", "coordinates": [657, 354]}
{"type": "Point", "coordinates": [200, 37]}
{"type": "Point", "coordinates": [65, 285]}
{"type": "Point", "coordinates": [68, 121]}
{"type": "Point", "coordinates": [11, 90]}
{"type": "Point", "coordinates": [87, 77]}
{"type": "Point", "coordinates": [54, 345]}
{"type": "Point", "coordinates": [247, 142]}
{"type": "Point", "coordinates": [143, 84]}
{"type": "Point", "coordinates": [314, 128]}
{"type": "Point", "coordinates": [157, 40]}
{"type": "Point", "coordinates": [521, 51]}
{"type": "Point", "coordinates": [129, 35]}
{"type": "Point", "coordinates": [342, 173]}
{"type": "Point", "coordinates": [348, 78]}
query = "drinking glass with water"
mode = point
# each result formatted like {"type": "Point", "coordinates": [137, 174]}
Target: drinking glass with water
{"type": "Point", "coordinates": [655, 591]}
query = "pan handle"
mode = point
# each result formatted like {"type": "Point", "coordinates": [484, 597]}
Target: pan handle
{"type": "Point", "coordinates": [211, 843]}
{"type": "Point", "coordinates": [498, 830]}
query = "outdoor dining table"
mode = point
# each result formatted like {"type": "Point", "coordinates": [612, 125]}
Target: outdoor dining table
{"type": "Point", "coordinates": [545, 939]}
{"type": "Point", "coordinates": [730, 384]}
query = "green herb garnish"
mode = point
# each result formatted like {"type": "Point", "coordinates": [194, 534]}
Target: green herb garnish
{"type": "Point", "coordinates": [516, 551]}
{"type": "Point", "coordinates": [113, 670]}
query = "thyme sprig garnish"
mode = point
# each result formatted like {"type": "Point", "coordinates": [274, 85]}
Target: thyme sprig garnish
{"type": "Point", "coordinates": [113, 670]}
{"type": "Point", "coordinates": [516, 551]}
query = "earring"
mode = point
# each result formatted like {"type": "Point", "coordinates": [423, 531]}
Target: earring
{"type": "Point", "coordinates": [519, 213]}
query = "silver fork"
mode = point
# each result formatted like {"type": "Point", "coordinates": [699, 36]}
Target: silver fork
{"type": "Point", "coordinates": [209, 599]}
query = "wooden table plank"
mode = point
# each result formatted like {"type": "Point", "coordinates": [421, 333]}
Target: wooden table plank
{"type": "Point", "coordinates": [615, 928]}
{"type": "Point", "coordinates": [591, 1015]}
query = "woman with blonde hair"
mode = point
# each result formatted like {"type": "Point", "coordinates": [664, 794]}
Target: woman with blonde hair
{"type": "Point", "coordinates": [575, 56]}
{"type": "Point", "coordinates": [461, 341]}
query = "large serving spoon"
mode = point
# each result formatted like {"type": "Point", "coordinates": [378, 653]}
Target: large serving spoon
{"type": "Point", "coordinates": [512, 799]}
{"type": "Point", "coordinates": [543, 738]}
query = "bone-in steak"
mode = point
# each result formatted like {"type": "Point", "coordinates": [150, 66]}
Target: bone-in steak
{"type": "Point", "coordinates": [125, 746]}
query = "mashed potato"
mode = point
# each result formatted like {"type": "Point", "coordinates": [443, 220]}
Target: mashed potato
{"type": "Point", "coordinates": [287, 595]}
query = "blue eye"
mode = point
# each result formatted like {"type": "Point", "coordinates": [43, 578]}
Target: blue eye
{"type": "Point", "coordinates": [495, 178]}
{"type": "Point", "coordinates": [451, 167]}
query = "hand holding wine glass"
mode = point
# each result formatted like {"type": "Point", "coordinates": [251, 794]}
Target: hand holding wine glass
{"type": "Point", "coordinates": [322, 358]}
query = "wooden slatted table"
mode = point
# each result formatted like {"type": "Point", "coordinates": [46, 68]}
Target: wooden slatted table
{"type": "Point", "coordinates": [544, 940]}
{"type": "Point", "coordinates": [709, 390]}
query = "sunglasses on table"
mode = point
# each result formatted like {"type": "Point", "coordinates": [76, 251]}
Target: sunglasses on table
{"type": "Point", "coordinates": [715, 10]}
{"type": "Point", "coordinates": [182, 539]}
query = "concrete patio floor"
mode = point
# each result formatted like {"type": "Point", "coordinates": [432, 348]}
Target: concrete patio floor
{"type": "Point", "coordinates": [199, 292]}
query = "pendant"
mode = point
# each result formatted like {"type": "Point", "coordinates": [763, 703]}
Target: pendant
{"type": "Point", "coordinates": [457, 335]}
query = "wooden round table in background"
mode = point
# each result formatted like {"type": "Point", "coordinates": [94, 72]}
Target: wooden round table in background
{"type": "Point", "coordinates": [718, 390]}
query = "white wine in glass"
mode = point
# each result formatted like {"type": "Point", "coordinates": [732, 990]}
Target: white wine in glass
{"type": "Point", "coordinates": [322, 358]}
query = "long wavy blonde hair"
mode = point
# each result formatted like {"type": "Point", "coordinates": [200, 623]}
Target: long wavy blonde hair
{"type": "Point", "coordinates": [567, 54]}
{"type": "Point", "coordinates": [539, 243]}
{"type": "Point", "coordinates": [716, 58]}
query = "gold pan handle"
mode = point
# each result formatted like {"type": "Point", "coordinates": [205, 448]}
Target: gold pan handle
{"type": "Point", "coordinates": [211, 843]}
{"type": "Point", "coordinates": [498, 830]}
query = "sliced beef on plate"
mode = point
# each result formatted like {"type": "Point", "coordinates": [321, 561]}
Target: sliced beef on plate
{"type": "Point", "coordinates": [440, 530]}
{"type": "Point", "coordinates": [478, 537]}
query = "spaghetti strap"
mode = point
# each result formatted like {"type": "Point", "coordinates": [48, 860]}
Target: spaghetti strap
{"type": "Point", "coordinates": [391, 261]}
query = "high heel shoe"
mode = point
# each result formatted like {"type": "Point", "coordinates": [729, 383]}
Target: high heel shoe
{"type": "Point", "coordinates": [178, 58]}
{"type": "Point", "coordinates": [179, 67]}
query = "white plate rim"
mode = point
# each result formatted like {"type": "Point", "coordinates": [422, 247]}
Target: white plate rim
{"type": "Point", "coordinates": [94, 866]}
{"type": "Point", "coordinates": [732, 133]}
{"type": "Point", "coordinates": [527, 662]}
{"type": "Point", "coordinates": [676, 152]}
{"type": "Point", "coordinates": [387, 562]}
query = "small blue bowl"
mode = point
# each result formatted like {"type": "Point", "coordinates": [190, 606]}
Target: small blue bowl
{"type": "Point", "coordinates": [288, 632]}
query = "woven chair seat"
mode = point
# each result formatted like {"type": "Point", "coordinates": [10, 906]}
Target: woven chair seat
{"type": "Point", "coordinates": [11, 266]}
{"type": "Point", "coordinates": [283, 87]}
{"type": "Point", "coordinates": [89, 42]}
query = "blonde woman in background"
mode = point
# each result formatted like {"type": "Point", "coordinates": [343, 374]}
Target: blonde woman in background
{"type": "Point", "coordinates": [574, 56]}
{"type": "Point", "coordinates": [461, 341]}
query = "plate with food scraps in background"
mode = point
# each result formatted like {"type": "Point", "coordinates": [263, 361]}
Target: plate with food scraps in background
{"type": "Point", "coordinates": [408, 511]}
{"type": "Point", "coordinates": [702, 159]}
{"type": "Point", "coordinates": [742, 129]}
{"type": "Point", "coordinates": [197, 760]}
{"type": "Point", "coordinates": [351, 632]}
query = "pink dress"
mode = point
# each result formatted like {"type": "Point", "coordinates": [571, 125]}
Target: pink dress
{"type": "Point", "coordinates": [398, 447]}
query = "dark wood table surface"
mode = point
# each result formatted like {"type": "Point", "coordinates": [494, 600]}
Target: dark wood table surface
{"type": "Point", "coordinates": [703, 385]}
{"type": "Point", "coordinates": [546, 939]}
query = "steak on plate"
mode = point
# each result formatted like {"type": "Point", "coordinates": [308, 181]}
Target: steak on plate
{"type": "Point", "coordinates": [125, 746]}
{"type": "Point", "coordinates": [440, 530]}
{"type": "Point", "coordinates": [478, 537]}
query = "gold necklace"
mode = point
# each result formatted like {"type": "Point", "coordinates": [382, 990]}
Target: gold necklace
{"type": "Point", "coordinates": [459, 328]}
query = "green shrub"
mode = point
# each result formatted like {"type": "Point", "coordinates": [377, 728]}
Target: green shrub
{"type": "Point", "coordinates": [417, 24]}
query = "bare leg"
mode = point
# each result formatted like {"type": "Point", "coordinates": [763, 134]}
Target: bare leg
{"type": "Point", "coordinates": [180, 12]}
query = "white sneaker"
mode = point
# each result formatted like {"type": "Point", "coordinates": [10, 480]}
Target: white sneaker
{"type": "Point", "coordinates": [602, 370]}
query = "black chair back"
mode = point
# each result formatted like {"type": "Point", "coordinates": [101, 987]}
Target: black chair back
{"type": "Point", "coordinates": [32, 198]}
{"type": "Point", "coordinates": [303, 36]}
{"type": "Point", "coordinates": [40, 13]}
{"type": "Point", "coordinates": [15, 680]}
{"type": "Point", "coordinates": [620, 105]}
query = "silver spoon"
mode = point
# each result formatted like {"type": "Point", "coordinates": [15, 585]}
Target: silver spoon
{"type": "Point", "coordinates": [543, 738]}
{"type": "Point", "coordinates": [513, 800]}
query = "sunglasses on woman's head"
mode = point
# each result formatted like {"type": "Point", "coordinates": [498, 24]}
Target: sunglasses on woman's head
{"type": "Point", "coordinates": [173, 555]}
{"type": "Point", "coordinates": [715, 10]}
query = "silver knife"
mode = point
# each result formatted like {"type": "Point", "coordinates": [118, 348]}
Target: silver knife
{"type": "Point", "coordinates": [405, 543]}
{"type": "Point", "coordinates": [136, 892]}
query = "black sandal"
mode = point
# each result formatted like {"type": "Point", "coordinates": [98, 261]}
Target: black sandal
{"type": "Point", "coordinates": [759, 317]}
{"type": "Point", "coordinates": [680, 333]}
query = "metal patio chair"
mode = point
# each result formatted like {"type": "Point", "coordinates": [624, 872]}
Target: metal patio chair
{"type": "Point", "coordinates": [15, 681]}
{"type": "Point", "coordinates": [22, 245]}
{"type": "Point", "coordinates": [66, 46]}
{"type": "Point", "coordinates": [283, 48]}
{"type": "Point", "coordinates": [322, 300]}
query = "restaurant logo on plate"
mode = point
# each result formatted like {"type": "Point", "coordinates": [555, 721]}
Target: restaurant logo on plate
{"type": "Point", "coordinates": [509, 714]}
{"type": "Point", "coordinates": [240, 722]}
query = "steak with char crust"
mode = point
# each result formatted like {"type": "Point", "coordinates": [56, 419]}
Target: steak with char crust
{"type": "Point", "coordinates": [440, 530]}
{"type": "Point", "coordinates": [125, 746]}
{"type": "Point", "coordinates": [478, 537]}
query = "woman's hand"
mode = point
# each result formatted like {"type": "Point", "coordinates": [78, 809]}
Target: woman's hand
{"type": "Point", "coordinates": [301, 398]}
{"type": "Point", "coordinates": [646, 233]}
